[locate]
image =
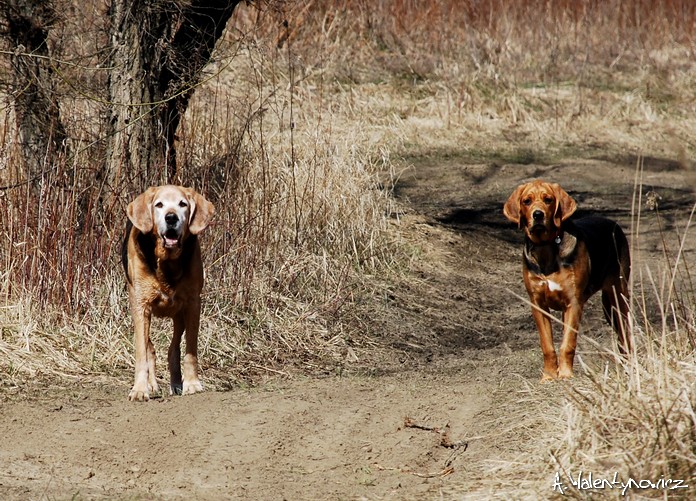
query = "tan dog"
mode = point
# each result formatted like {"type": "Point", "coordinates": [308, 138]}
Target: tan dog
{"type": "Point", "coordinates": [162, 259]}
{"type": "Point", "coordinates": [564, 263]}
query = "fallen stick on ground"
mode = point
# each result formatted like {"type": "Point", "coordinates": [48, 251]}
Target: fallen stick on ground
{"type": "Point", "coordinates": [442, 473]}
{"type": "Point", "coordinates": [458, 447]}
{"type": "Point", "coordinates": [445, 440]}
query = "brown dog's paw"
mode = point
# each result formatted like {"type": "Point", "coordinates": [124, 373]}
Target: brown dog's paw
{"type": "Point", "coordinates": [565, 373]}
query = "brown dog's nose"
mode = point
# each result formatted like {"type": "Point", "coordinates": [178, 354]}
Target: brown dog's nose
{"type": "Point", "coordinates": [538, 215]}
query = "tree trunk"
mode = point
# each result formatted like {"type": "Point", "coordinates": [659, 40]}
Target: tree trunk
{"type": "Point", "coordinates": [159, 48]}
{"type": "Point", "coordinates": [41, 134]}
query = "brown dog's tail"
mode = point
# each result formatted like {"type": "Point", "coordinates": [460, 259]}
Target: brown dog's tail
{"type": "Point", "coordinates": [615, 299]}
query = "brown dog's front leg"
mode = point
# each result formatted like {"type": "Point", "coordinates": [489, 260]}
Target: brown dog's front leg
{"type": "Point", "coordinates": [546, 338]}
{"type": "Point", "coordinates": [571, 324]}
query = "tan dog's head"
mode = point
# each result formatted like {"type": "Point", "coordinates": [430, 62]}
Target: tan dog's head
{"type": "Point", "coordinates": [540, 208]}
{"type": "Point", "coordinates": [170, 213]}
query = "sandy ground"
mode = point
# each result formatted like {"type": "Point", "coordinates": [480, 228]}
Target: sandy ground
{"type": "Point", "coordinates": [450, 404]}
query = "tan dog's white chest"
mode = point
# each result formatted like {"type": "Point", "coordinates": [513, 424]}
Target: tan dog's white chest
{"type": "Point", "coordinates": [165, 304]}
{"type": "Point", "coordinates": [165, 301]}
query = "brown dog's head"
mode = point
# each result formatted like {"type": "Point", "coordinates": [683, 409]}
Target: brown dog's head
{"type": "Point", "coordinates": [170, 213]}
{"type": "Point", "coordinates": [540, 208]}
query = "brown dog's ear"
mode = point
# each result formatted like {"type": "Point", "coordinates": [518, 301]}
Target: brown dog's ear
{"type": "Point", "coordinates": [512, 206]}
{"type": "Point", "coordinates": [140, 211]}
{"type": "Point", "coordinates": [201, 212]}
{"type": "Point", "coordinates": [565, 205]}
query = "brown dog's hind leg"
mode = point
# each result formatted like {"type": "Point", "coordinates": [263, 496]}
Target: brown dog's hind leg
{"type": "Point", "coordinates": [615, 305]}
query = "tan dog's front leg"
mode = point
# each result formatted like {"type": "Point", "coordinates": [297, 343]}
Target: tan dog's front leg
{"type": "Point", "coordinates": [191, 382]}
{"type": "Point", "coordinates": [152, 385]}
{"type": "Point", "coordinates": [144, 355]}
{"type": "Point", "coordinates": [174, 356]}
{"type": "Point", "coordinates": [571, 324]}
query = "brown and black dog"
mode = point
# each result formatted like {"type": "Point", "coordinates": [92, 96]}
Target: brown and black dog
{"type": "Point", "coordinates": [564, 263]}
{"type": "Point", "coordinates": [162, 259]}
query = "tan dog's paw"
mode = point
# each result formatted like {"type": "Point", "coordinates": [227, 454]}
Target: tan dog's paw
{"type": "Point", "coordinates": [137, 395]}
{"type": "Point", "coordinates": [192, 387]}
{"type": "Point", "coordinates": [153, 389]}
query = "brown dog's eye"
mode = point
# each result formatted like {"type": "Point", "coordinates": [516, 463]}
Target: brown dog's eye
{"type": "Point", "coordinates": [527, 201]}
{"type": "Point", "coordinates": [159, 205]}
{"type": "Point", "coordinates": [548, 200]}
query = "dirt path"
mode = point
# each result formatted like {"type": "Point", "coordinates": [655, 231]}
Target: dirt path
{"type": "Point", "coordinates": [464, 358]}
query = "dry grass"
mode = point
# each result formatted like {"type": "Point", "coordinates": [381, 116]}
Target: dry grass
{"type": "Point", "coordinates": [300, 230]}
{"type": "Point", "coordinates": [287, 137]}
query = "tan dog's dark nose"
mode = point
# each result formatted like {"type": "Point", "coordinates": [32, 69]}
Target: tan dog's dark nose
{"type": "Point", "coordinates": [171, 219]}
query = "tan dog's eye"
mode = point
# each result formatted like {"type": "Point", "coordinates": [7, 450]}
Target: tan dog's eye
{"type": "Point", "coordinates": [527, 201]}
{"type": "Point", "coordinates": [183, 204]}
{"type": "Point", "coordinates": [159, 205]}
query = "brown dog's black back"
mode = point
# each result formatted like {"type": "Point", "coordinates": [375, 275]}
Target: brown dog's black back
{"type": "Point", "coordinates": [607, 246]}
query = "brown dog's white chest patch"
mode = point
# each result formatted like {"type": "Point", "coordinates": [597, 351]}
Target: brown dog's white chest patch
{"type": "Point", "coordinates": [553, 286]}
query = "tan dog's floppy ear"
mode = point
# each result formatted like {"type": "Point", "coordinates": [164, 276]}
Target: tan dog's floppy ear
{"type": "Point", "coordinates": [512, 206]}
{"type": "Point", "coordinates": [565, 205]}
{"type": "Point", "coordinates": [140, 211]}
{"type": "Point", "coordinates": [201, 212]}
